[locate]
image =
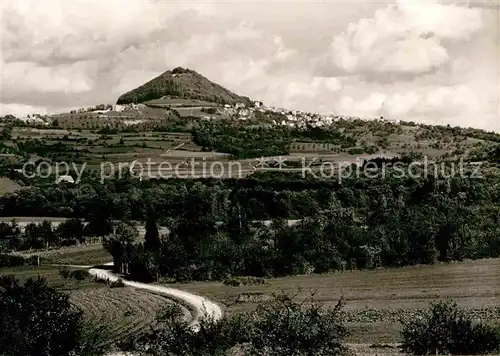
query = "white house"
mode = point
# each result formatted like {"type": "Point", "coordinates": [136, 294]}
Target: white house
{"type": "Point", "coordinates": [65, 178]}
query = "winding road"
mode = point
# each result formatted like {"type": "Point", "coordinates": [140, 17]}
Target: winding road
{"type": "Point", "coordinates": [200, 307]}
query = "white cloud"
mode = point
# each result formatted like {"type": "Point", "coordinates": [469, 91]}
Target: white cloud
{"type": "Point", "coordinates": [459, 104]}
{"type": "Point", "coordinates": [405, 37]}
{"type": "Point", "coordinates": [24, 77]}
{"type": "Point", "coordinates": [21, 110]}
{"type": "Point", "coordinates": [364, 107]}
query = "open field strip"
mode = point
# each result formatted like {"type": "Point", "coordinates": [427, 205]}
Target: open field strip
{"type": "Point", "coordinates": [375, 298]}
{"type": "Point", "coordinates": [85, 254]}
{"type": "Point", "coordinates": [32, 219]}
{"type": "Point", "coordinates": [51, 274]}
{"type": "Point", "coordinates": [382, 350]}
{"type": "Point", "coordinates": [8, 186]}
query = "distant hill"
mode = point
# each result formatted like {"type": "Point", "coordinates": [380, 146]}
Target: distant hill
{"type": "Point", "coordinates": [181, 83]}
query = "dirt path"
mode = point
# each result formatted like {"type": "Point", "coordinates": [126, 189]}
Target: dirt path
{"type": "Point", "coordinates": [200, 307]}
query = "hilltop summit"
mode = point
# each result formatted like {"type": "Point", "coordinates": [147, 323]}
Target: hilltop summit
{"type": "Point", "coordinates": [182, 83]}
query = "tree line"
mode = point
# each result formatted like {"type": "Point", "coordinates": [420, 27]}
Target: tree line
{"type": "Point", "coordinates": [45, 235]}
{"type": "Point", "coordinates": [456, 212]}
{"type": "Point", "coordinates": [218, 233]}
{"type": "Point", "coordinates": [247, 141]}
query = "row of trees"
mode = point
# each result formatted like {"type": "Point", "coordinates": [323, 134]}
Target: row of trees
{"type": "Point", "coordinates": [379, 207]}
{"type": "Point", "coordinates": [263, 196]}
{"type": "Point", "coordinates": [45, 235]}
{"type": "Point", "coordinates": [214, 237]}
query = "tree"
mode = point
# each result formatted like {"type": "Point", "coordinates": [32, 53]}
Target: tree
{"type": "Point", "coordinates": [36, 320]}
{"type": "Point", "coordinates": [120, 245]}
{"type": "Point", "coordinates": [98, 225]}
{"type": "Point", "coordinates": [72, 229]}
{"type": "Point", "coordinates": [31, 236]}
{"type": "Point", "coordinates": [6, 133]}
{"type": "Point", "coordinates": [152, 238]}
{"type": "Point", "coordinates": [47, 234]}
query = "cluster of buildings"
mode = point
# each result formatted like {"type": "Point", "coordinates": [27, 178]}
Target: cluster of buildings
{"type": "Point", "coordinates": [34, 119]}
{"type": "Point", "coordinates": [292, 118]}
{"type": "Point", "coordinates": [117, 115]}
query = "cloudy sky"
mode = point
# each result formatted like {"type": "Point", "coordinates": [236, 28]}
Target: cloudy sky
{"type": "Point", "coordinates": [428, 60]}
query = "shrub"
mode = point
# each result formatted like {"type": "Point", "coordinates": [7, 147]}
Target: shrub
{"type": "Point", "coordinates": [278, 327]}
{"type": "Point", "coordinates": [64, 272]}
{"type": "Point", "coordinates": [238, 281]}
{"type": "Point", "coordinates": [37, 320]}
{"type": "Point", "coordinates": [79, 275]}
{"type": "Point", "coordinates": [11, 261]}
{"type": "Point", "coordinates": [287, 327]}
{"type": "Point", "coordinates": [117, 284]}
{"type": "Point", "coordinates": [233, 281]}
{"type": "Point", "coordinates": [253, 297]}
{"type": "Point", "coordinates": [254, 280]}
{"type": "Point", "coordinates": [446, 329]}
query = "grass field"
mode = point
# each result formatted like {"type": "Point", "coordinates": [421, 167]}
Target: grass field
{"type": "Point", "coordinates": [51, 274]}
{"type": "Point", "coordinates": [375, 299]}
{"type": "Point", "coordinates": [121, 311]}
{"type": "Point", "coordinates": [8, 186]}
{"type": "Point", "coordinates": [87, 255]}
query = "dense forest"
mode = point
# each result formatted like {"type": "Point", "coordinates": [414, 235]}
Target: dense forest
{"type": "Point", "coordinates": [215, 238]}
{"type": "Point", "coordinates": [218, 228]}
{"type": "Point", "coordinates": [244, 141]}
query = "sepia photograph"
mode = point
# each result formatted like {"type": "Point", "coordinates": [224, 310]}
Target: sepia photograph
{"type": "Point", "coordinates": [249, 177]}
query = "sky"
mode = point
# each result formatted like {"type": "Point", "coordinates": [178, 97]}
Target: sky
{"type": "Point", "coordinates": [423, 60]}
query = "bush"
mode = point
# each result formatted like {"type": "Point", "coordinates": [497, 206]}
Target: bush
{"type": "Point", "coordinates": [117, 284]}
{"type": "Point", "coordinates": [446, 329]}
{"type": "Point", "coordinates": [11, 261]}
{"type": "Point", "coordinates": [278, 327]}
{"type": "Point", "coordinates": [238, 281]}
{"type": "Point", "coordinates": [33, 260]}
{"type": "Point", "coordinates": [37, 320]}
{"type": "Point", "coordinates": [79, 275]}
{"type": "Point", "coordinates": [233, 281]}
{"type": "Point", "coordinates": [64, 272]}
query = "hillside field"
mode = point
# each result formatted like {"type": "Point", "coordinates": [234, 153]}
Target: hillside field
{"type": "Point", "coordinates": [375, 299]}
{"type": "Point", "coordinates": [8, 186]}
